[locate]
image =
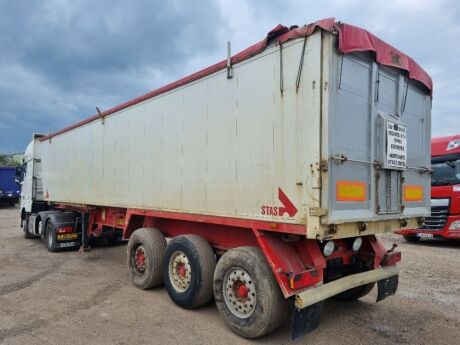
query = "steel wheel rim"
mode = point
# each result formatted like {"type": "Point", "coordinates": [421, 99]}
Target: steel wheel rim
{"type": "Point", "coordinates": [180, 273]}
{"type": "Point", "coordinates": [239, 292]}
{"type": "Point", "coordinates": [139, 259]}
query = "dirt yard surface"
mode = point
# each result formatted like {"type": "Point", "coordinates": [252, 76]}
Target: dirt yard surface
{"type": "Point", "coordinates": [72, 298]}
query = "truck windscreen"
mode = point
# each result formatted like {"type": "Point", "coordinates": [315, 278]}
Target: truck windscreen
{"type": "Point", "coordinates": [445, 172]}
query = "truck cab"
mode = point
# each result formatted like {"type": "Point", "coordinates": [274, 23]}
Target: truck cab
{"type": "Point", "coordinates": [58, 228]}
{"type": "Point", "coordinates": [30, 177]}
{"type": "Point", "coordinates": [444, 221]}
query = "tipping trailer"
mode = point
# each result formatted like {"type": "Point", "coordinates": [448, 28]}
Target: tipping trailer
{"type": "Point", "coordinates": [444, 220]}
{"type": "Point", "coordinates": [10, 190]}
{"type": "Point", "coordinates": [272, 172]}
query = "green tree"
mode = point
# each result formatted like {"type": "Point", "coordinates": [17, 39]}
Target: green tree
{"type": "Point", "coordinates": [8, 160]}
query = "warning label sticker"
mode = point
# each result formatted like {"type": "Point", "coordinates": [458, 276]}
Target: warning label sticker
{"type": "Point", "coordinates": [396, 146]}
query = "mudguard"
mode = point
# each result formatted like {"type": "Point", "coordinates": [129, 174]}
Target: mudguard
{"type": "Point", "coordinates": [306, 320]}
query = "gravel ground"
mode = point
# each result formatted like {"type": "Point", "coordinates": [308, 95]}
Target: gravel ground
{"type": "Point", "coordinates": [73, 298]}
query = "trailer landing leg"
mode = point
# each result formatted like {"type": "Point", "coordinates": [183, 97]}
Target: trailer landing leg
{"type": "Point", "coordinates": [84, 248]}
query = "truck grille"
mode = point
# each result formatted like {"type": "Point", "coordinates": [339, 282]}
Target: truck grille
{"type": "Point", "coordinates": [437, 219]}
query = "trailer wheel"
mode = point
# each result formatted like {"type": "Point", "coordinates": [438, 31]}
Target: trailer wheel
{"type": "Point", "coordinates": [146, 248]}
{"type": "Point", "coordinates": [410, 238]}
{"type": "Point", "coordinates": [188, 270]}
{"type": "Point", "coordinates": [247, 294]}
{"type": "Point", "coordinates": [355, 293]}
{"type": "Point", "coordinates": [25, 228]}
{"type": "Point", "coordinates": [50, 237]}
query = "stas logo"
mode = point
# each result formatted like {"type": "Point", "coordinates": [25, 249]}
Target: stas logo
{"type": "Point", "coordinates": [288, 207]}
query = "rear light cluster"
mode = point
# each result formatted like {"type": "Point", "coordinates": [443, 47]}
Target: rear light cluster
{"type": "Point", "coordinates": [64, 229]}
{"type": "Point", "coordinates": [329, 247]}
{"type": "Point", "coordinates": [391, 259]}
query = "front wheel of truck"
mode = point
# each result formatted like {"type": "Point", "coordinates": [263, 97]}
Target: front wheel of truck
{"type": "Point", "coordinates": [247, 294]}
{"type": "Point", "coordinates": [25, 228]}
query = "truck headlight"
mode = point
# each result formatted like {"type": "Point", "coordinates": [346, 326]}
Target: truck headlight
{"type": "Point", "coordinates": [455, 225]}
{"type": "Point", "coordinates": [328, 248]}
{"type": "Point", "coordinates": [453, 144]}
{"type": "Point", "coordinates": [357, 244]}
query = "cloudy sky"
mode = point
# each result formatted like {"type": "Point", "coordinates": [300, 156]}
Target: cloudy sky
{"type": "Point", "coordinates": [59, 59]}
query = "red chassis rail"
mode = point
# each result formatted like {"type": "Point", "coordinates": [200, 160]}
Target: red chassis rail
{"type": "Point", "coordinates": [297, 262]}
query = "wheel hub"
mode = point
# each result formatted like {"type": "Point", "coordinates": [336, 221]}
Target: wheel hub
{"type": "Point", "coordinates": [242, 291]}
{"type": "Point", "coordinates": [181, 270]}
{"type": "Point", "coordinates": [139, 259]}
{"type": "Point", "coordinates": [239, 292]}
{"type": "Point", "coordinates": [180, 273]}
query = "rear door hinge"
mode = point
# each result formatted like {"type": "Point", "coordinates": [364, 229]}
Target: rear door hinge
{"type": "Point", "coordinates": [323, 166]}
{"type": "Point", "coordinates": [318, 211]}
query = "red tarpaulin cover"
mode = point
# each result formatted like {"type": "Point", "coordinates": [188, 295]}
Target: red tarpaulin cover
{"type": "Point", "coordinates": [351, 39]}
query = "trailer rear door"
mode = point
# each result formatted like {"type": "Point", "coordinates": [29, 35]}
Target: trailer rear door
{"type": "Point", "coordinates": [378, 143]}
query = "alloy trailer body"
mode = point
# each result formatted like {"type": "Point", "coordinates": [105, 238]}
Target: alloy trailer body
{"type": "Point", "coordinates": [10, 190]}
{"type": "Point", "coordinates": [444, 220]}
{"type": "Point", "coordinates": [271, 172]}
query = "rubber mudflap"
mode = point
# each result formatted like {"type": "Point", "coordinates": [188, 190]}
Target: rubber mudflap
{"type": "Point", "coordinates": [306, 320]}
{"type": "Point", "coordinates": [387, 287]}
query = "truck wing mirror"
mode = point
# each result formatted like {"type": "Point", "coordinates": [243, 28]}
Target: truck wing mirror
{"type": "Point", "coordinates": [20, 173]}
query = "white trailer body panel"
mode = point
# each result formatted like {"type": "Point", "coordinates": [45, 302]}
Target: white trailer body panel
{"type": "Point", "coordinates": [224, 147]}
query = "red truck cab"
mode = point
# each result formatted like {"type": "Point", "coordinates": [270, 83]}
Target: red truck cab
{"type": "Point", "coordinates": [444, 220]}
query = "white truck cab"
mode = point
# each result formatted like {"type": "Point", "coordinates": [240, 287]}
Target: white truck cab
{"type": "Point", "coordinates": [32, 200]}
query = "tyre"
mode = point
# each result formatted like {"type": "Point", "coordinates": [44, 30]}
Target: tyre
{"type": "Point", "coordinates": [25, 228]}
{"type": "Point", "coordinates": [355, 293]}
{"type": "Point", "coordinates": [146, 249]}
{"type": "Point", "coordinates": [247, 294]}
{"type": "Point", "coordinates": [50, 238]}
{"type": "Point", "coordinates": [40, 227]}
{"type": "Point", "coordinates": [411, 238]}
{"type": "Point", "coordinates": [188, 271]}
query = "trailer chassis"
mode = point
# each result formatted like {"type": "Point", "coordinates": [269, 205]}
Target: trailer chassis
{"type": "Point", "coordinates": [302, 272]}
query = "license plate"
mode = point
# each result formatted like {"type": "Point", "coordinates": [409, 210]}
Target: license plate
{"type": "Point", "coordinates": [67, 244]}
{"type": "Point", "coordinates": [9, 194]}
{"type": "Point", "coordinates": [62, 237]}
{"type": "Point", "coordinates": [425, 235]}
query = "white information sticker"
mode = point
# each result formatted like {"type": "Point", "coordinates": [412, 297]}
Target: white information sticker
{"type": "Point", "coordinates": [396, 146]}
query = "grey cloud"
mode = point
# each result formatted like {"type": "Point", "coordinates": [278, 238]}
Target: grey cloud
{"type": "Point", "coordinates": [59, 59]}
{"type": "Point", "coordinates": [426, 30]}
